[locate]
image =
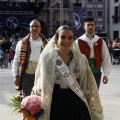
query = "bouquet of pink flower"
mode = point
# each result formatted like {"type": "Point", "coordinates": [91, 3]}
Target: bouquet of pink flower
{"type": "Point", "coordinates": [30, 106]}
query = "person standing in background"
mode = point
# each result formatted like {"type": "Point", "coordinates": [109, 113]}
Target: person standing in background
{"type": "Point", "coordinates": [96, 51]}
{"type": "Point", "coordinates": [116, 51]}
{"type": "Point", "coordinates": [14, 43]}
{"type": "Point", "coordinates": [2, 54]}
{"type": "Point", "coordinates": [11, 55]}
{"type": "Point", "coordinates": [110, 45]}
{"type": "Point", "coordinates": [26, 58]}
{"type": "Point", "coordinates": [5, 45]}
{"type": "Point", "coordinates": [6, 59]}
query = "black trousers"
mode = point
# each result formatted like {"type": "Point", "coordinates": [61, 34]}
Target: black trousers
{"type": "Point", "coordinates": [116, 54]}
{"type": "Point", "coordinates": [97, 77]}
{"type": "Point", "coordinates": [27, 83]}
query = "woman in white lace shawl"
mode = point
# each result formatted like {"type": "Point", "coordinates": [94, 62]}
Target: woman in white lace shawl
{"type": "Point", "coordinates": [60, 100]}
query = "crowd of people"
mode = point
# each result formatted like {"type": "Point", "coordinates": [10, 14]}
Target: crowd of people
{"type": "Point", "coordinates": [7, 50]}
{"type": "Point", "coordinates": [66, 73]}
{"type": "Point", "coordinates": [6, 53]}
{"type": "Point", "coordinates": [114, 50]}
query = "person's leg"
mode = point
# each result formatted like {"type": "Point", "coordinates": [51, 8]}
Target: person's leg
{"type": "Point", "coordinates": [7, 59]}
{"type": "Point", "coordinates": [117, 57]}
{"type": "Point", "coordinates": [114, 57]}
{"type": "Point", "coordinates": [97, 77]}
{"type": "Point", "coordinates": [27, 83]}
{"type": "Point", "coordinates": [10, 61]}
{"type": "Point", "coordinates": [110, 55]}
{"type": "Point", "coordinates": [1, 62]}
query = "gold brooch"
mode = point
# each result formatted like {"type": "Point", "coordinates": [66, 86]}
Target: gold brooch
{"type": "Point", "coordinates": [58, 62]}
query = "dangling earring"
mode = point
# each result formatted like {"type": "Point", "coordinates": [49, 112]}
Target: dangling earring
{"type": "Point", "coordinates": [57, 44]}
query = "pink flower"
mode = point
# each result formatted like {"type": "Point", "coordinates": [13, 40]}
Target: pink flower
{"type": "Point", "coordinates": [32, 103]}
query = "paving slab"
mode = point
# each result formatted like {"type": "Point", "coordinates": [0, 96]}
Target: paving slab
{"type": "Point", "coordinates": [109, 94]}
{"type": "Point", "coordinates": [7, 90]}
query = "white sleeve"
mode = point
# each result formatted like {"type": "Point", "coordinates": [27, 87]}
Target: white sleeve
{"type": "Point", "coordinates": [15, 64]}
{"type": "Point", "coordinates": [106, 61]}
{"type": "Point", "coordinates": [76, 41]}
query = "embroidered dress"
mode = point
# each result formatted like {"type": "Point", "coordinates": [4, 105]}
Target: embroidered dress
{"type": "Point", "coordinates": [66, 105]}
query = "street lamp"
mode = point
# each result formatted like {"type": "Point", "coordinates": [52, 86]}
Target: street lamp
{"type": "Point", "coordinates": [99, 28]}
{"type": "Point", "coordinates": [61, 12]}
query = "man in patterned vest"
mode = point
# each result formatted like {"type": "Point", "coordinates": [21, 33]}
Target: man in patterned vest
{"type": "Point", "coordinates": [96, 51]}
{"type": "Point", "coordinates": [26, 58]}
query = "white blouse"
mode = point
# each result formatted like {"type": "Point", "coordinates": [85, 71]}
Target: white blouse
{"type": "Point", "coordinates": [36, 48]}
{"type": "Point", "coordinates": [73, 66]}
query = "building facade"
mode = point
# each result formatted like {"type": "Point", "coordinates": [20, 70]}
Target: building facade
{"type": "Point", "coordinates": [16, 14]}
{"type": "Point", "coordinates": [58, 12]}
{"type": "Point", "coordinates": [114, 19]}
{"type": "Point", "coordinates": [98, 10]}
{"type": "Point", "coordinates": [53, 13]}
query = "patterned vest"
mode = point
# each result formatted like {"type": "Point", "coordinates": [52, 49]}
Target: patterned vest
{"type": "Point", "coordinates": [25, 51]}
{"type": "Point", "coordinates": [85, 49]}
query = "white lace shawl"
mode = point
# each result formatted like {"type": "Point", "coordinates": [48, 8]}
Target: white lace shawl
{"type": "Point", "coordinates": [45, 78]}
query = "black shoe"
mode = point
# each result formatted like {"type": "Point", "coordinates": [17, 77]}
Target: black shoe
{"type": "Point", "coordinates": [118, 63]}
{"type": "Point", "coordinates": [113, 63]}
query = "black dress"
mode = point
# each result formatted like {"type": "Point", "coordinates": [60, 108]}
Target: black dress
{"type": "Point", "coordinates": [66, 105]}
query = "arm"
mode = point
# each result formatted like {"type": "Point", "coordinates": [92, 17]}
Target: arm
{"type": "Point", "coordinates": [106, 62]}
{"type": "Point", "coordinates": [15, 65]}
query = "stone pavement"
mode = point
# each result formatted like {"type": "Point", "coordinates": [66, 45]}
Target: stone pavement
{"type": "Point", "coordinates": [7, 90]}
{"type": "Point", "coordinates": [110, 95]}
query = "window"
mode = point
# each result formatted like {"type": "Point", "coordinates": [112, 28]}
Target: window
{"type": "Point", "coordinates": [90, 0]}
{"type": "Point", "coordinates": [116, 0]}
{"type": "Point", "coordinates": [100, 13]}
{"type": "Point", "coordinates": [100, 0]}
{"type": "Point", "coordinates": [115, 34]}
{"type": "Point", "coordinates": [115, 16]}
{"type": "Point", "coordinates": [119, 12]}
{"type": "Point", "coordinates": [116, 10]}
{"type": "Point", "coordinates": [89, 13]}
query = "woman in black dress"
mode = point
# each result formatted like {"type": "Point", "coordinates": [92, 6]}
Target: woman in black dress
{"type": "Point", "coordinates": [65, 82]}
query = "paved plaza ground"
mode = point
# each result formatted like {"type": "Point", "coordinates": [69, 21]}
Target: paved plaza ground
{"type": "Point", "coordinates": [110, 95]}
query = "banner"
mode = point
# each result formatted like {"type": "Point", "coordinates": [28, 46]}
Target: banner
{"type": "Point", "coordinates": [79, 15]}
{"type": "Point", "coordinates": [15, 21]}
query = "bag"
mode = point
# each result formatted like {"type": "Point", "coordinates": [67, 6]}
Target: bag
{"type": "Point", "coordinates": [20, 97]}
{"type": "Point", "coordinates": [18, 88]}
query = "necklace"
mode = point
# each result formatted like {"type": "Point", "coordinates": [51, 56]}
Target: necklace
{"type": "Point", "coordinates": [67, 58]}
